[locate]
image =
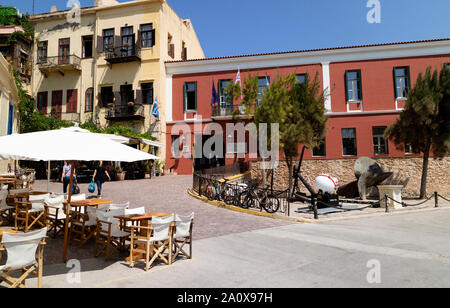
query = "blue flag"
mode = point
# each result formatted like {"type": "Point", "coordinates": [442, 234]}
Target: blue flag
{"type": "Point", "coordinates": [155, 111]}
{"type": "Point", "coordinates": [215, 96]}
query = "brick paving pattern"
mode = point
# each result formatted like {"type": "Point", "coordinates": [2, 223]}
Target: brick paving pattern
{"type": "Point", "coordinates": [161, 194]}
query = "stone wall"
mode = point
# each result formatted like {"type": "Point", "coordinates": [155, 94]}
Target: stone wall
{"type": "Point", "coordinates": [410, 168]}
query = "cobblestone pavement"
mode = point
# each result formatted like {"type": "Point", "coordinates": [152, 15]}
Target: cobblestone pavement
{"type": "Point", "coordinates": [162, 194]}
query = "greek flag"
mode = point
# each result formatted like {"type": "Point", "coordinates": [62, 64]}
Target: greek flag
{"type": "Point", "coordinates": [155, 111]}
{"type": "Point", "coordinates": [238, 77]}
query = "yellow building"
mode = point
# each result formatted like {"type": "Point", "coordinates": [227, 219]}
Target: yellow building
{"type": "Point", "coordinates": [106, 63]}
{"type": "Point", "coordinates": [9, 106]}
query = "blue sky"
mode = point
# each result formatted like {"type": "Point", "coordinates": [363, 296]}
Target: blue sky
{"type": "Point", "coordinates": [235, 27]}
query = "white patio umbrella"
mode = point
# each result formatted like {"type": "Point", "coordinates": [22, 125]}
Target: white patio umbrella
{"type": "Point", "coordinates": [70, 145]}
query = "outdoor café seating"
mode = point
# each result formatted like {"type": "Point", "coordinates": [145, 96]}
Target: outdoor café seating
{"type": "Point", "coordinates": [182, 236]}
{"type": "Point", "coordinates": [128, 212]}
{"type": "Point", "coordinates": [122, 206]}
{"type": "Point", "coordinates": [152, 242]}
{"type": "Point", "coordinates": [24, 253]}
{"type": "Point", "coordinates": [109, 236]}
{"type": "Point", "coordinates": [55, 214]}
{"type": "Point", "coordinates": [31, 212]}
{"type": "Point", "coordinates": [6, 211]}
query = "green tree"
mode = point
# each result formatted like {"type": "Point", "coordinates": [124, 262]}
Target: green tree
{"type": "Point", "coordinates": [297, 108]}
{"type": "Point", "coordinates": [424, 122]}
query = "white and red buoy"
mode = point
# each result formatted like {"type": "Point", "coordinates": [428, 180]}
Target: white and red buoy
{"type": "Point", "coordinates": [326, 183]}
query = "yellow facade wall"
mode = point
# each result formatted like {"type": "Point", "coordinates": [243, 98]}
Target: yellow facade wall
{"type": "Point", "coordinates": [8, 96]}
{"type": "Point", "coordinates": [97, 72]}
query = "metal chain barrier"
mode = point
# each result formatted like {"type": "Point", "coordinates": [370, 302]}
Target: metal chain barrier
{"type": "Point", "coordinates": [436, 197]}
{"type": "Point", "coordinates": [443, 198]}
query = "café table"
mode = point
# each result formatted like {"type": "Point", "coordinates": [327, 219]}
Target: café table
{"type": "Point", "coordinates": [83, 204]}
{"type": "Point", "coordinates": [143, 221]}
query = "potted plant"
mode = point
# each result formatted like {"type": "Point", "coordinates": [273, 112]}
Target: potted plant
{"type": "Point", "coordinates": [120, 174]}
{"type": "Point", "coordinates": [158, 168]}
{"type": "Point", "coordinates": [148, 170]}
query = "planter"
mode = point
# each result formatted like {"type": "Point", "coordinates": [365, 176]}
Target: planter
{"type": "Point", "coordinates": [121, 176]}
{"type": "Point", "coordinates": [394, 192]}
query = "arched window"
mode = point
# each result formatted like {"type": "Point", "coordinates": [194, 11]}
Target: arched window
{"type": "Point", "coordinates": [89, 100]}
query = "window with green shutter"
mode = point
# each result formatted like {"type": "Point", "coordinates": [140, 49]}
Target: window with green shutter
{"type": "Point", "coordinates": [402, 82]}
{"type": "Point", "coordinates": [353, 86]}
{"type": "Point", "coordinates": [190, 96]}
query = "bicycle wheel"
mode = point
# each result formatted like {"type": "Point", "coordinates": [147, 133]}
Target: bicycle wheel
{"type": "Point", "coordinates": [271, 204]}
{"type": "Point", "coordinates": [245, 200]}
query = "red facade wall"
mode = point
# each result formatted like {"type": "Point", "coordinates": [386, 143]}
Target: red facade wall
{"type": "Point", "coordinates": [377, 80]}
{"type": "Point", "coordinates": [378, 96]}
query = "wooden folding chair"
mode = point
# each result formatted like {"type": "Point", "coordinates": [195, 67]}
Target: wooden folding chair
{"type": "Point", "coordinates": [23, 249]}
{"type": "Point", "coordinates": [56, 217]}
{"type": "Point", "coordinates": [31, 212]}
{"type": "Point", "coordinates": [82, 224]}
{"type": "Point", "coordinates": [6, 210]}
{"type": "Point", "coordinates": [152, 242]}
{"type": "Point", "coordinates": [109, 235]}
{"type": "Point", "coordinates": [128, 212]}
{"type": "Point", "coordinates": [183, 236]}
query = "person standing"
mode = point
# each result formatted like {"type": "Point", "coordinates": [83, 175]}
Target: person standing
{"type": "Point", "coordinates": [100, 175]}
{"type": "Point", "coordinates": [65, 177]}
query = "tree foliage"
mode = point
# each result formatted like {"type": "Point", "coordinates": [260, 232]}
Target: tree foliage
{"type": "Point", "coordinates": [297, 108]}
{"type": "Point", "coordinates": [424, 122]}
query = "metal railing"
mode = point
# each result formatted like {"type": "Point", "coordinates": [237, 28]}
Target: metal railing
{"type": "Point", "coordinates": [137, 110]}
{"type": "Point", "coordinates": [228, 110]}
{"type": "Point", "coordinates": [73, 60]}
{"type": "Point", "coordinates": [123, 53]}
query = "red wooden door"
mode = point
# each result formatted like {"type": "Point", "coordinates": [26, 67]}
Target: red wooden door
{"type": "Point", "coordinates": [57, 103]}
{"type": "Point", "coordinates": [72, 101]}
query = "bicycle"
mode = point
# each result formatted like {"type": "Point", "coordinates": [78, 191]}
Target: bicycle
{"type": "Point", "coordinates": [255, 197]}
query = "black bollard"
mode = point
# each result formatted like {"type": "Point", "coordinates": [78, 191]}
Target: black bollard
{"type": "Point", "coordinates": [436, 199]}
{"type": "Point", "coordinates": [386, 199]}
{"type": "Point", "coordinates": [314, 205]}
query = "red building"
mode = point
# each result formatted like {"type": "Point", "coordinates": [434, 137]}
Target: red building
{"type": "Point", "coordinates": [366, 88]}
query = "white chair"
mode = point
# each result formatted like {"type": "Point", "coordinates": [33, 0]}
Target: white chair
{"type": "Point", "coordinates": [31, 212]}
{"type": "Point", "coordinates": [157, 238]}
{"type": "Point", "coordinates": [22, 250]}
{"type": "Point", "coordinates": [19, 191]}
{"type": "Point", "coordinates": [6, 210]}
{"type": "Point", "coordinates": [137, 211]}
{"type": "Point", "coordinates": [4, 187]}
{"type": "Point", "coordinates": [183, 235]}
{"type": "Point", "coordinates": [123, 206]}
{"type": "Point", "coordinates": [109, 235]}
{"type": "Point", "coordinates": [55, 214]}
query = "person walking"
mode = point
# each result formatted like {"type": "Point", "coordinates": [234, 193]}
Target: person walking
{"type": "Point", "coordinates": [100, 175]}
{"type": "Point", "coordinates": [65, 177]}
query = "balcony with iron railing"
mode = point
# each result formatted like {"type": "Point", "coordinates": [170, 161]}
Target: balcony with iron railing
{"type": "Point", "coordinates": [229, 110]}
{"type": "Point", "coordinates": [61, 64]}
{"type": "Point", "coordinates": [127, 112]}
{"type": "Point", "coordinates": [123, 54]}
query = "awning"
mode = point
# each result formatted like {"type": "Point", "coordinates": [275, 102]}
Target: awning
{"type": "Point", "coordinates": [153, 143]}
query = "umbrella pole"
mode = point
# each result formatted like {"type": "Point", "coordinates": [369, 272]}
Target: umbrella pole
{"type": "Point", "coordinates": [48, 177]}
{"type": "Point", "coordinates": [66, 224]}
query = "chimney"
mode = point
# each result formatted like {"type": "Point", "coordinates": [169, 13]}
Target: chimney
{"type": "Point", "coordinates": [53, 9]}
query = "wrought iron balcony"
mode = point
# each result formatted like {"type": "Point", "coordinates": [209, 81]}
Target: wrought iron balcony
{"type": "Point", "coordinates": [60, 64]}
{"type": "Point", "coordinates": [131, 112]}
{"type": "Point", "coordinates": [225, 110]}
{"type": "Point", "coordinates": [123, 54]}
